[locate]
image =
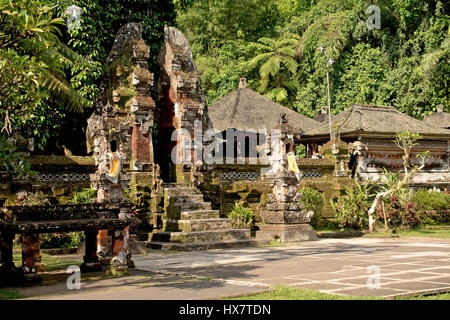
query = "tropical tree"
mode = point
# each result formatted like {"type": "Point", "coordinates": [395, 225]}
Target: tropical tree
{"type": "Point", "coordinates": [277, 66]}
{"type": "Point", "coordinates": [405, 141]}
{"type": "Point", "coordinates": [33, 63]}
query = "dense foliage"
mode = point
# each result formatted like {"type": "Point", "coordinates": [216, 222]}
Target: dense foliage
{"type": "Point", "coordinates": [48, 72]}
{"type": "Point", "coordinates": [33, 65]}
{"type": "Point", "coordinates": [432, 207]}
{"type": "Point", "coordinates": [404, 64]}
{"type": "Point", "coordinates": [351, 208]}
{"type": "Point", "coordinates": [99, 24]}
{"type": "Point", "coordinates": [423, 207]}
{"type": "Point", "coordinates": [312, 199]}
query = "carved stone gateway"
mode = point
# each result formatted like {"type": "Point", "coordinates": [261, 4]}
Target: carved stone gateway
{"type": "Point", "coordinates": [134, 140]}
{"type": "Point", "coordinates": [120, 131]}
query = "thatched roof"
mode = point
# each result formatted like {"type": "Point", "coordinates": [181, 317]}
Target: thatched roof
{"type": "Point", "coordinates": [245, 109]}
{"type": "Point", "coordinates": [438, 120]}
{"type": "Point", "coordinates": [375, 120]}
{"type": "Point", "coordinates": [323, 117]}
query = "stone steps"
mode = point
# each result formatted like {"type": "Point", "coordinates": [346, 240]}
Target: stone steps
{"type": "Point", "coordinates": [191, 224]}
{"type": "Point", "coordinates": [201, 236]}
{"type": "Point", "coordinates": [188, 198]}
{"type": "Point", "coordinates": [206, 245]}
{"type": "Point", "coordinates": [190, 206]}
{"type": "Point", "coordinates": [194, 225]}
{"type": "Point", "coordinates": [200, 214]}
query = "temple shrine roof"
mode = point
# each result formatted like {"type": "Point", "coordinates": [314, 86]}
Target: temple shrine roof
{"type": "Point", "coordinates": [246, 109]}
{"type": "Point", "coordinates": [377, 120]}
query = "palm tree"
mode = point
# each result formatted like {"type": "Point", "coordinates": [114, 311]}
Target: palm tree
{"type": "Point", "coordinates": [30, 34]}
{"type": "Point", "coordinates": [276, 58]}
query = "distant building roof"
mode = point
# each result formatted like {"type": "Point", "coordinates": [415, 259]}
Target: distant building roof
{"type": "Point", "coordinates": [378, 120]}
{"type": "Point", "coordinates": [323, 116]}
{"type": "Point", "coordinates": [440, 119]}
{"type": "Point", "coordinates": [245, 109]}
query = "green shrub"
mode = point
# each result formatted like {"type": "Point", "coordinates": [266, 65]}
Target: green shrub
{"type": "Point", "coordinates": [352, 208]}
{"type": "Point", "coordinates": [400, 213]}
{"type": "Point", "coordinates": [83, 196]}
{"type": "Point", "coordinates": [312, 199]}
{"type": "Point", "coordinates": [432, 207]}
{"type": "Point", "coordinates": [61, 240]}
{"type": "Point", "coordinates": [241, 216]}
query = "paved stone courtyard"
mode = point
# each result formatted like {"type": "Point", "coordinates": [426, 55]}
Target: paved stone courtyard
{"type": "Point", "coordinates": [338, 266]}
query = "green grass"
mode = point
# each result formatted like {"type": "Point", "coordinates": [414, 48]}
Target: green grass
{"type": "Point", "coordinates": [51, 263]}
{"type": "Point", "coordinates": [288, 293]}
{"type": "Point", "coordinates": [439, 231]}
{"type": "Point", "coordinates": [10, 294]}
{"type": "Point", "coordinates": [433, 231]}
{"type": "Point", "coordinates": [444, 296]}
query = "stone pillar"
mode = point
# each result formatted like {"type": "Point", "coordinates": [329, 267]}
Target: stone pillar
{"type": "Point", "coordinates": [6, 251]}
{"type": "Point", "coordinates": [285, 219]}
{"type": "Point", "coordinates": [140, 148]}
{"type": "Point", "coordinates": [90, 260]}
{"type": "Point", "coordinates": [102, 246]}
{"type": "Point", "coordinates": [31, 257]}
{"type": "Point", "coordinates": [121, 258]}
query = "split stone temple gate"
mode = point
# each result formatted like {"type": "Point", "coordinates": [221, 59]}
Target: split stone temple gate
{"type": "Point", "coordinates": [132, 134]}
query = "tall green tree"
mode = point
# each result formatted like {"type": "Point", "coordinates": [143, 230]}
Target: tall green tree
{"type": "Point", "coordinates": [33, 62]}
{"type": "Point", "coordinates": [277, 66]}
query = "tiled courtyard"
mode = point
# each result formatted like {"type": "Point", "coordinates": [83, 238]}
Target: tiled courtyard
{"type": "Point", "coordinates": [338, 266]}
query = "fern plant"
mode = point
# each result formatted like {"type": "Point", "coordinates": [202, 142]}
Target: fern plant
{"type": "Point", "coordinates": [277, 65]}
{"type": "Point", "coordinates": [241, 217]}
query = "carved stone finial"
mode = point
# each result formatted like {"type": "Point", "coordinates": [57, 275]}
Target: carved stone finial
{"type": "Point", "coordinates": [242, 83]}
{"type": "Point", "coordinates": [283, 117]}
{"type": "Point", "coordinates": [440, 108]}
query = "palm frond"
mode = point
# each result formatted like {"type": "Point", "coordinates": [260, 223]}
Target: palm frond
{"type": "Point", "coordinates": [74, 101]}
{"type": "Point", "coordinates": [288, 51]}
{"type": "Point", "coordinates": [270, 67]}
{"type": "Point", "coordinates": [259, 47]}
{"type": "Point", "coordinates": [258, 59]}
{"type": "Point", "coordinates": [290, 63]}
{"type": "Point", "coordinates": [263, 84]}
{"type": "Point", "coordinates": [268, 42]}
{"type": "Point", "coordinates": [431, 60]}
{"type": "Point", "coordinates": [287, 43]}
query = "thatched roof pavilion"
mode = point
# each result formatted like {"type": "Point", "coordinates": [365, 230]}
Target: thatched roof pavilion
{"type": "Point", "coordinates": [245, 109]}
{"type": "Point", "coordinates": [440, 119]}
{"type": "Point", "coordinates": [374, 121]}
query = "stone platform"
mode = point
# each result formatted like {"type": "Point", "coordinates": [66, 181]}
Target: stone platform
{"type": "Point", "coordinates": [189, 223]}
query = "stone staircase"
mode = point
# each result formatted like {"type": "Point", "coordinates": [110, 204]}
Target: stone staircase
{"type": "Point", "coordinates": [190, 224]}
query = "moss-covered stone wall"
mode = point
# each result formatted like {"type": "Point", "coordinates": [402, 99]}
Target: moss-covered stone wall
{"type": "Point", "coordinates": [57, 177]}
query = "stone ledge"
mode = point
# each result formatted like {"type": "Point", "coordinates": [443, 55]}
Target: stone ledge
{"type": "Point", "coordinates": [287, 233]}
{"type": "Point", "coordinates": [206, 245]}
